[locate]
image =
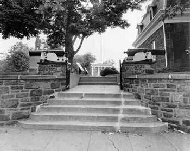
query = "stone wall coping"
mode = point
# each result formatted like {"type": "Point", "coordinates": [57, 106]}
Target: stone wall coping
{"type": "Point", "coordinates": [170, 76]}
{"type": "Point", "coordinates": [30, 77]}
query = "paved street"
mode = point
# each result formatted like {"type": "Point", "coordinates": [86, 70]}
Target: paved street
{"type": "Point", "coordinates": [17, 139]}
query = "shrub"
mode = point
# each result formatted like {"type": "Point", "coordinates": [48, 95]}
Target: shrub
{"type": "Point", "coordinates": [17, 59]}
{"type": "Point", "coordinates": [108, 71]}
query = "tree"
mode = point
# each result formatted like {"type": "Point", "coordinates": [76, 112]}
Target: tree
{"type": "Point", "coordinates": [85, 60]}
{"type": "Point", "coordinates": [175, 7]}
{"type": "Point", "coordinates": [110, 61]}
{"type": "Point", "coordinates": [17, 59]}
{"type": "Point", "coordinates": [63, 21]}
{"type": "Point", "coordinates": [18, 18]}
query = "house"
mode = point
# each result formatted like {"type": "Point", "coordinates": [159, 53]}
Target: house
{"type": "Point", "coordinates": [97, 67]}
{"type": "Point", "coordinates": [172, 34]}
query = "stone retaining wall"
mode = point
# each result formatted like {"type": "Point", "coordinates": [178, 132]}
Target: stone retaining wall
{"type": "Point", "coordinates": [168, 96]}
{"type": "Point", "coordinates": [20, 94]}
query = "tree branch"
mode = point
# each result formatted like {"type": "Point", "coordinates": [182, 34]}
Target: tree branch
{"type": "Point", "coordinates": [74, 39]}
{"type": "Point", "coordinates": [82, 39]}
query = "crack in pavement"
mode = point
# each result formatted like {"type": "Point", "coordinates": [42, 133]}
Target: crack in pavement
{"type": "Point", "coordinates": [89, 141]}
{"type": "Point", "coordinates": [113, 144]}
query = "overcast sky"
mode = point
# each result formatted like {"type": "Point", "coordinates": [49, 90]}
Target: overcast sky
{"type": "Point", "coordinates": [112, 43]}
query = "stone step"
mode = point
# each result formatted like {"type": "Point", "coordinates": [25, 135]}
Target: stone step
{"type": "Point", "coordinates": [96, 101]}
{"type": "Point", "coordinates": [98, 79]}
{"type": "Point", "coordinates": [93, 117]}
{"type": "Point", "coordinates": [97, 83]}
{"type": "Point", "coordinates": [154, 127]}
{"type": "Point", "coordinates": [97, 109]}
{"type": "Point", "coordinates": [94, 95]}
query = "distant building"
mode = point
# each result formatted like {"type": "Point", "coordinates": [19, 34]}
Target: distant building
{"type": "Point", "coordinates": [171, 34]}
{"type": "Point", "coordinates": [97, 67]}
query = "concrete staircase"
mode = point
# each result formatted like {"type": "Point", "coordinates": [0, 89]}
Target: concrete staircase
{"type": "Point", "coordinates": [95, 107]}
{"type": "Point", "coordinates": [98, 80]}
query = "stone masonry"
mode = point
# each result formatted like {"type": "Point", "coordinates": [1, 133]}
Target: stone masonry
{"type": "Point", "coordinates": [20, 94]}
{"type": "Point", "coordinates": [168, 96]}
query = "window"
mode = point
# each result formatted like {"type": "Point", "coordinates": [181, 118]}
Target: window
{"type": "Point", "coordinates": [153, 46]}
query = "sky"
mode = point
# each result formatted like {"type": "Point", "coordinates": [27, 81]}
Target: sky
{"type": "Point", "coordinates": [112, 43]}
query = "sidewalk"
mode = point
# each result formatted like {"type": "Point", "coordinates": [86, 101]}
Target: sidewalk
{"type": "Point", "coordinates": [18, 139]}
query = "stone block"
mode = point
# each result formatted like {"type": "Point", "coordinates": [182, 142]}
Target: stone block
{"type": "Point", "coordinates": [148, 97]}
{"type": "Point", "coordinates": [158, 85]}
{"type": "Point", "coordinates": [143, 81]}
{"type": "Point", "coordinates": [186, 94]}
{"type": "Point", "coordinates": [167, 115]}
{"type": "Point", "coordinates": [11, 82]}
{"type": "Point", "coordinates": [176, 97]}
{"type": "Point", "coordinates": [186, 122]}
{"type": "Point", "coordinates": [14, 91]}
{"type": "Point", "coordinates": [167, 90]}
{"type": "Point", "coordinates": [36, 92]}
{"type": "Point", "coordinates": [152, 80]}
{"type": "Point", "coordinates": [44, 98]}
{"type": "Point", "coordinates": [55, 85]}
{"type": "Point", "coordinates": [11, 103]}
{"type": "Point", "coordinates": [181, 113]}
{"type": "Point", "coordinates": [127, 86]}
{"type": "Point", "coordinates": [151, 92]}
{"type": "Point", "coordinates": [31, 85]}
{"type": "Point", "coordinates": [184, 106]}
{"type": "Point", "coordinates": [137, 96]}
{"type": "Point", "coordinates": [19, 115]}
{"type": "Point", "coordinates": [1, 82]}
{"type": "Point", "coordinates": [8, 96]}
{"type": "Point", "coordinates": [35, 99]}
{"type": "Point", "coordinates": [17, 87]}
{"type": "Point", "coordinates": [2, 111]}
{"type": "Point", "coordinates": [25, 90]}
{"type": "Point", "coordinates": [25, 104]}
{"type": "Point", "coordinates": [169, 105]}
{"type": "Point", "coordinates": [154, 107]}
{"type": "Point", "coordinates": [162, 81]}
{"type": "Point", "coordinates": [33, 108]}
{"type": "Point", "coordinates": [160, 99]}
{"type": "Point", "coordinates": [22, 95]}
{"type": "Point", "coordinates": [58, 90]}
{"type": "Point", "coordinates": [157, 113]}
{"type": "Point", "coordinates": [171, 120]}
{"type": "Point", "coordinates": [48, 92]}
{"type": "Point", "coordinates": [25, 109]}
{"type": "Point", "coordinates": [167, 110]}
{"type": "Point", "coordinates": [134, 90]}
{"type": "Point", "coordinates": [155, 103]}
{"type": "Point", "coordinates": [164, 93]}
{"type": "Point", "coordinates": [140, 90]}
{"type": "Point", "coordinates": [4, 117]}
{"type": "Point", "coordinates": [185, 100]}
{"type": "Point", "coordinates": [4, 90]}
{"type": "Point", "coordinates": [145, 85]}
{"type": "Point", "coordinates": [24, 99]}
{"type": "Point", "coordinates": [171, 86]}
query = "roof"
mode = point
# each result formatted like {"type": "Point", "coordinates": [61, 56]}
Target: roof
{"type": "Point", "coordinates": [102, 65]}
{"type": "Point", "coordinates": [132, 52]}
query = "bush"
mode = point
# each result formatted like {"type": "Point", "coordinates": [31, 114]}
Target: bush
{"type": "Point", "coordinates": [17, 59]}
{"type": "Point", "coordinates": [108, 71]}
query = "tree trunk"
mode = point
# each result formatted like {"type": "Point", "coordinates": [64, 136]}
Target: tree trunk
{"type": "Point", "coordinates": [69, 48]}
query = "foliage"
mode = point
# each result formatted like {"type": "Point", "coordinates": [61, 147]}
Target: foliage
{"type": "Point", "coordinates": [110, 61]}
{"type": "Point", "coordinates": [18, 18]}
{"type": "Point", "coordinates": [18, 59]}
{"type": "Point", "coordinates": [85, 60]}
{"type": "Point", "coordinates": [63, 21]}
{"type": "Point", "coordinates": [108, 71]}
{"type": "Point", "coordinates": [174, 7]}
